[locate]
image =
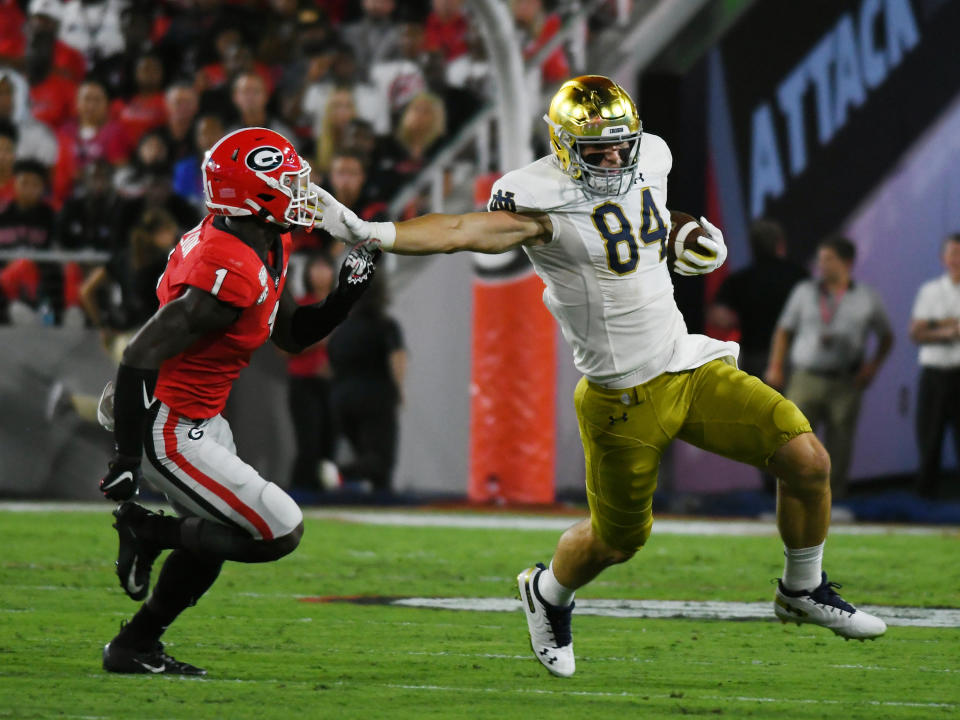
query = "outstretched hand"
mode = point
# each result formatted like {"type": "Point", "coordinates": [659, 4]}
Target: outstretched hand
{"type": "Point", "coordinates": [339, 220]}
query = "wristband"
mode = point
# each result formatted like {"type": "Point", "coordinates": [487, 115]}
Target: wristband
{"type": "Point", "coordinates": [384, 233]}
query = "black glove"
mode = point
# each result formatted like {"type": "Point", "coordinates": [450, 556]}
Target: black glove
{"type": "Point", "coordinates": [122, 480]}
{"type": "Point", "coordinates": [357, 270]}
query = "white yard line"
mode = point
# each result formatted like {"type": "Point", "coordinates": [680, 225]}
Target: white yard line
{"type": "Point", "coordinates": [489, 521]}
{"type": "Point", "coordinates": [690, 610]}
{"type": "Point", "coordinates": [552, 522]}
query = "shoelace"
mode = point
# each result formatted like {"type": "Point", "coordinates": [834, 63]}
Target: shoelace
{"type": "Point", "coordinates": [560, 624]}
{"type": "Point", "coordinates": [826, 595]}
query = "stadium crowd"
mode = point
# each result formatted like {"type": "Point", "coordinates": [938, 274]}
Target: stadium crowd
{"type": "Point", "coordinates": [108, 106]}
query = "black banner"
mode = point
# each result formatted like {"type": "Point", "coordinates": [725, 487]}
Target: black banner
{"type": "Point", "coordinates": [826, 95]}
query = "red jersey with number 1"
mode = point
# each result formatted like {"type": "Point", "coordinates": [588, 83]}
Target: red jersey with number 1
{"type": "Point", "coordinates": [196, 382]}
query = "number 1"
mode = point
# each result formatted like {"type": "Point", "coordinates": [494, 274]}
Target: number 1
{"type": "Point", "coordinates": [221, 274]}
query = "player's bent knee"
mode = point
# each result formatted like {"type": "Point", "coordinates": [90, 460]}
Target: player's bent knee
{"type": "Point", "coordinates": [623, 545]}
{"type": "Point", "coordinates": [285, 514]}
{"type": "Point", "coordinates": [803, 464]}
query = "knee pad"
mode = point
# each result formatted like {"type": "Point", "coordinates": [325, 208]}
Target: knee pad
{"type": "Point", "coordinates": [285, 512]}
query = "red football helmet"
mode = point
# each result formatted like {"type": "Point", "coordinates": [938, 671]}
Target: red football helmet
{"type": "Point", "coordinates": [256, 171]}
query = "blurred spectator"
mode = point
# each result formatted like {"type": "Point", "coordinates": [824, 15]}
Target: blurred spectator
{"type": "Point", "coordinates": [8, 154]}
{"type": "Point", "coordinates": [92, 27]}
{"type": "Point", "coordinates": [340, 110]}
{"type": "Point", "coordinates": [181, 102]}
{"type": "Point", "coordinates": [146, 108]}
{"type": "Point", "coordinates": [88, 216]}
{"type": "Point", "coordinates": [35, 140]}
{"type": "Point", "coordinates": [935, 327]}
{"type": "Point", "coordinates": [537, 27]}
{"type": "Point", "coordinates": [52, 92]}
{"type": "Point", "coordinates": [824, 329]}
{"type": "Point", "coordinates": [250, 97]}
{"type": "Point", "coordinates": [312, 51]}
{"type": "Point", "coordinates": [92, 136]}
{"type": "Point", "coordinates": [348, 183]}
{"type": "Point", "coordinates": [460, 103]}
{"type": "Point", "coordinates": [26, 222]}
{"type": "Point", "coordinates": [117, 71]}
{"type": "Point", "coordinates": [157, 194]}
{"type": "Point", "coordinates": [41, 29]}
{"type": "Point", "coordinates": [446, 29]}
{"type": "Point", "coordinates": [359, 138]}
{"type": "Point", "coordinates": [119, 296]}
{"type": "Point", "coordinates": [751, 298]}
{"type": "Point", "coordinates": [12, 20]}
{"type": "Point", "coordinates": [418, 137]}
{"type": "Point", "coordinates": [217, 82]}
{"type": "Point", "coordinates": [278, 41]}
{"type": "Point", "coordinates": [472, 69]}
{"type": "Point", "coordinates": [374, 37]}
{"type": "Point", "coordinates": [343, 72]}
{"type": "Point", "coordinates": [189, 40]}
{"type": "Point", "coordinates": [151, 153]}
{"type": "Point", "coordinates": [369, 364]}
{"type": "Point", "coordinates": [399, 77]}
{"type": "Point", "coordinates": [309, 392]}
{"type": "Point", "coordinates": [187, 175]}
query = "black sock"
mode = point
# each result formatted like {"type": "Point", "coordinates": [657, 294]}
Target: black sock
{"type": "Point", "coordinates": [183, 580]}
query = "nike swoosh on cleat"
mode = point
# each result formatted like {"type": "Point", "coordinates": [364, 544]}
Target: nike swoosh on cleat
{"type": "Point", "coordinates": [147, 400]}
{"type": "Point", "coordinates": [151, 668]}
{"type": "Point", "coordinates": [132, 582]}
{"type": "Point", "coordinates": [125, 475]}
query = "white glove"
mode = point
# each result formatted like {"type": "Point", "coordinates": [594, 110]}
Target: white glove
{"type": "Point", "coordinates": [344, 225]}
{"type": "Point", "coordinates": [690, 262]}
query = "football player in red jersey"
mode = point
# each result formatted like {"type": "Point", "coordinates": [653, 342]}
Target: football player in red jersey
{"type": "Point", "coordinates": [223, 295]}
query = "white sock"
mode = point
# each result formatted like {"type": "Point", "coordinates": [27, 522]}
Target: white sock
{"type": "Point", "coordinates": [802, 567]}
{"type": "Point", "coordinates": [552, 591]}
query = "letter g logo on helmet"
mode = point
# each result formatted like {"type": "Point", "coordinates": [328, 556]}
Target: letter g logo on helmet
{"type": "Point", "coordinates": [264, 158]}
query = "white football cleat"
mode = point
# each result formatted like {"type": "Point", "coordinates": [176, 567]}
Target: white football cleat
{"type": "Point", "coordinates": [823, 606]}
{"type": "Point", "coordinates": [549, 626]}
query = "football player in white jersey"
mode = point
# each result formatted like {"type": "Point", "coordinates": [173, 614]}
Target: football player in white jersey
{"type": "Point", "coordinates": [593, 219]}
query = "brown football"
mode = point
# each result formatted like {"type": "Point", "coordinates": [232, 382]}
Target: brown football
{"type": "Point", "coordinates": [685, 234]}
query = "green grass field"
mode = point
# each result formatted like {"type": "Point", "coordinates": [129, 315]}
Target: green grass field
{"type": "Point", "coordinates": [270, 654]}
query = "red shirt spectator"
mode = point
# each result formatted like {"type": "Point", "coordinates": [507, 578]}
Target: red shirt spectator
{"type": "Point", "coordinates": [139, 114]}
{"type": "Point", "coordinates": [52, 100]}
{"type": "Point", "coordinates": [93, 136]}
{"type": "Point", "coordinates": [147, 108]}
{"type": "Point", "coordinates": [11, 29]}
{"type": "Point", "coordinates": [446, 29]}
{"type": "Point", "coordinates": [67, 61]}
{"type": "Point", "coordinates": [555, 68]}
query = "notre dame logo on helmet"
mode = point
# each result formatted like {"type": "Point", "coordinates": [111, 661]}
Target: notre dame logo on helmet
{"type": "Point", "coordinates": [264, 158]}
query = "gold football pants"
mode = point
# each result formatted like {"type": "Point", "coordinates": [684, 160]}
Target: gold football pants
{"type": "Point", "coordinates": [624, 432]}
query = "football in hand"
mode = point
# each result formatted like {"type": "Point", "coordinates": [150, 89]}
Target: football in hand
{"type": "Point", "coordinates": [685, 234]}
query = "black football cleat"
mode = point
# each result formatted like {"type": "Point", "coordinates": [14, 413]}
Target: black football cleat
{"type": "Point", "coordinates": [119, 659]}
{"type": "Point", "coordinates": [134, 557]}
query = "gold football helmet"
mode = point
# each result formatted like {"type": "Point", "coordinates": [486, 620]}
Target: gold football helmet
{"type": "Point", "coordinates": [592, 112]}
